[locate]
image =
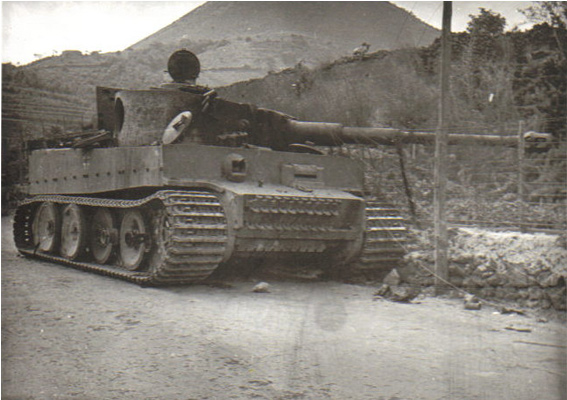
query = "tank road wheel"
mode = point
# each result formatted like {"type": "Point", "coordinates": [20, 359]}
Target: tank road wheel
{"type": "Point", "coordinates": [73, 232]}
{"type": "Point", "coordinates": [104, 235]}
{"type": "Point", "coordinates": [134, 239]}
{"type": "Point", "coordinates": [46, 227]}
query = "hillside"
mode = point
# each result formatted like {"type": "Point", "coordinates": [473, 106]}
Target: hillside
{"type": "Point", "coordinates": [381, 24]}
{"type": "Point", "coordinates": [237, 41]}
{"type": "Point", "coordinates": [242, 40]}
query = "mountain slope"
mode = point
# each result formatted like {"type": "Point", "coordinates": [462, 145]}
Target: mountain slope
{"type": "Point", "coordinates": [242, 40]}
{"type": "Point", "coordinates": [381, 24]}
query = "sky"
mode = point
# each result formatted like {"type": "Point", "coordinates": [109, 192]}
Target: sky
{"type": "Point", "coordinates": [431, 12]}
{"type": "Point", "coordinates": [36, 29]}
{"type": "Point", "coordinates": [31, 30]}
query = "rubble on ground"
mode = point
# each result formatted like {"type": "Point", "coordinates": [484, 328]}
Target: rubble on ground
{"type": "Point", "coordinates": [399, 294]}
{"type": "Point", "coordinates": [262, 287]}
{"type": "Point", "coordinates": [472, 302]}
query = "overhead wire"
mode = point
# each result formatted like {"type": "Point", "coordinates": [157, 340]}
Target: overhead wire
{"type": "Point", "coordinates": [428, 23]}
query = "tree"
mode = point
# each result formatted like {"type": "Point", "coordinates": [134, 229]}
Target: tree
{"type": "Point", "coordinates": [486, 32]}
{"type": "Point", "coordinates": [540, 86]}
{"type": "Point", "coordinates": [482, 77]}
{"type": "Point", "coordinates": [552, 12]}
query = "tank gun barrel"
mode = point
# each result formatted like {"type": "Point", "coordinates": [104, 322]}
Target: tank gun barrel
{"type": "Point", "coordinates": [334, 134]}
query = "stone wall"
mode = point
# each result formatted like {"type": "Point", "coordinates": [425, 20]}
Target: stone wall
{"type": "Point", "coordinates": [527, 268]}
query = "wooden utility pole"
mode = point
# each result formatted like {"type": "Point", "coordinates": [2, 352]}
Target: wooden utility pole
{"type": "Point", "coordinates": [440, 178]}
{"type": "Point", "coordinates": [521, 152]}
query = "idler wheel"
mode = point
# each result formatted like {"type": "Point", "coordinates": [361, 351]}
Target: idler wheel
{"type": "Point", "coordinates": [46, 227]}
{"type": "Point", "coordinates": [104, 235]}
{"type": "Point", "coordinates": [134, 240]}
{"type": "Point", "coordinates": [73, 232]}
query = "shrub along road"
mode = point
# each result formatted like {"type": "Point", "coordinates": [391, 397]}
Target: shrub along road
{"type": "Point", "coordinates": [68, 334]}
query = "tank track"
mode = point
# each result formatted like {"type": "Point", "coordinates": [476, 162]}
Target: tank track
{"type": "Point", "coordinates": [189, 236]}
{"type": "Point", "coordinates": [384, 238]}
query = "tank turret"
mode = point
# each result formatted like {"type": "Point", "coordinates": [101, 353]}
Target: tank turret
{"type": "Point", "coordinates": [181, 111]}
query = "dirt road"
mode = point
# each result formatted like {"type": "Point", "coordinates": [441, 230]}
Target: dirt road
{"type": "Point", "coordinates": [68, 334]}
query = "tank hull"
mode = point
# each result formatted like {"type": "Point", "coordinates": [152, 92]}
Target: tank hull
{"type": "Point", "coordinates": [174, 213]}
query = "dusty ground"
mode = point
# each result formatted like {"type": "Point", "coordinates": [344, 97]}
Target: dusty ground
{"type": "Point", "coordinates": [68, 334]}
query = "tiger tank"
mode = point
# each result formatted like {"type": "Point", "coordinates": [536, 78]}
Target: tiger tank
{"type": "Point", "coordinates": [177, 181]}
